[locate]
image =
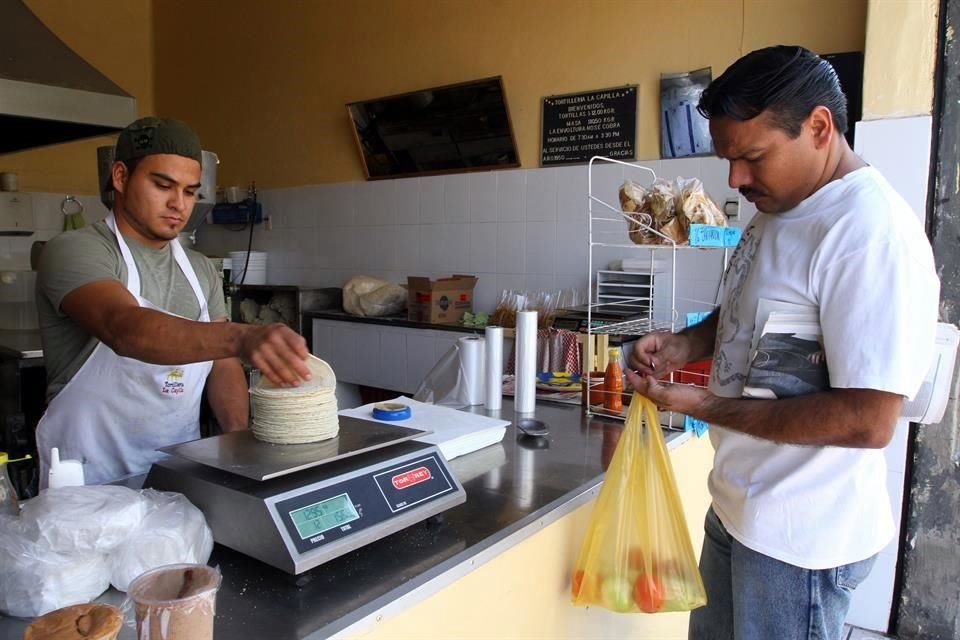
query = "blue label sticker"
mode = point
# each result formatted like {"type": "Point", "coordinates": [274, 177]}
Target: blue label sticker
{"type": "Point", "coordinates": [706, 235]}
{"type": "Point", "coordinates": [731, 236]}
{"type": "Point", "coordinates": [696, 317]}
{"type": "Point", "coordinates": [694, 424]}
{"type": "Point", "coordinates": [444, 302]}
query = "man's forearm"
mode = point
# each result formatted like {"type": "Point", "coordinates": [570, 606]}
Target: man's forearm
{"type": "Point", "coordinates": [227, 393]}
{"type": "Point", "coordinates": [702, 336]}
{"type": "Point", "coordinates": [839, 417]}
{"type": "Point", "coordinates": [161, 338]}
{"type": "Point", "coordinates": [107, 311]}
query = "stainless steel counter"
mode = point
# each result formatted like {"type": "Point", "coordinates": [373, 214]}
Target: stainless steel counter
{"type": "Point", "coordinates": [513, 488]}
{"type": "Point", "coordinates": [20, 344]}
{"type": "Point", "coordinates": [388, 321]}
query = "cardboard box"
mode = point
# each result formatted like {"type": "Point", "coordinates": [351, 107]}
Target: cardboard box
{"type": "Point", "coordinates": [442, 301]}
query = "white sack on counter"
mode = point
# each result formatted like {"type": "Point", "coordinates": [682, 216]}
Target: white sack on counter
{"type": "Point", "coordinates": [173, 532]}
{"type": "Point", "coordinates": [366, 296]}
{"type": "Point", "coordinates": [35, 580]}
{"type": "Point", "coordinates": [90, 519]}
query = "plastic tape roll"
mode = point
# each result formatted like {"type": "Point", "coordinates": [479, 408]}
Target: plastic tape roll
{"type": "Point", "coordinates": [391, 411]}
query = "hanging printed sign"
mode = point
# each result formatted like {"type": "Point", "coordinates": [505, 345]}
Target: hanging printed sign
{"type": "Point", "coordinates": [578, 126]}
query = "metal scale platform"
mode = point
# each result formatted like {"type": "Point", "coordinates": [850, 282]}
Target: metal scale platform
{"type": "Point", "coordinates": [297, 506]}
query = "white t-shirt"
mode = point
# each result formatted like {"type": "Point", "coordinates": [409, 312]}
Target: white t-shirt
{"type": "Point", "coordinates": [855, 251]}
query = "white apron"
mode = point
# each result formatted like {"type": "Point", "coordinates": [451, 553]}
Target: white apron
{"type": "Point", "coordinates": [116, 411]}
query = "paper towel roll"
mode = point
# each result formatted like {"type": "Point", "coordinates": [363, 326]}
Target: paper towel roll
{"type": "Point", "coordinates": [525, 398]}
{"type": "Point", "coordinates": [493, 365]}
{"type": "Point", "coordinates": [471, 366]}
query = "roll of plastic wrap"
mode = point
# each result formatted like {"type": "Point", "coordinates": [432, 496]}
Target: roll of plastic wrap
{"type": "Point", "coordinates": [493, 366]}
{"type": "Point", "coordinates": [525, 398]}
{"type": "Point", "coordinates": [471, 365]}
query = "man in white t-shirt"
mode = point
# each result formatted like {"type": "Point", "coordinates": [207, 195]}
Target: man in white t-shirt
{"type": "Point", "coordinates": [800, 507]}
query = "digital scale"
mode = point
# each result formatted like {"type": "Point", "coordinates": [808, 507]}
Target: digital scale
{"type": "Point", "coordinates": [297, 506]}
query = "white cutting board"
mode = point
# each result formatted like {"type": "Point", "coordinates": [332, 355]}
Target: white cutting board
{"type": "Point", "coordinates": [455, 432]}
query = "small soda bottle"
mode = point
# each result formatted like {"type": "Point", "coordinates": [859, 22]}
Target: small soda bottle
{"type": "Point", "coordinates": [613, 381]}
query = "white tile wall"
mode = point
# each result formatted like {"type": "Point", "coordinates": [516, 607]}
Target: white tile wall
{"type": "Point", "coordinates": [511, 196]}
{"type": "Point", "coordinates": [17, 307]}
{"type": "Point", "coordinates": [900, 149]}
{"type": "Point", "coordinates": [483, 197]}
{"type": "Point", "coordinates": [456, 196]}
{"type": "Point", "coordinates": [541, 195]}
{"type": "Point", "coordinates": [522, 228]}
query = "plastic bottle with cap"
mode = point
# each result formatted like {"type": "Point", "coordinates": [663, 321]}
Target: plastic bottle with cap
{"type": "Point", "coordinates": [8, 497]}
{"type": "Point", "coordinates": [64, 473]}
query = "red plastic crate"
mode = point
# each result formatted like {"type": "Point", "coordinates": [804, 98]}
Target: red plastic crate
{"type": "Point", "coordinates": [697, 373]}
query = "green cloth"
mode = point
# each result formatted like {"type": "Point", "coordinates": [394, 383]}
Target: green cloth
{"type": "Point", "coordinates": [73, 221]}
{"type": "Point", "coordinates": [75, 258]}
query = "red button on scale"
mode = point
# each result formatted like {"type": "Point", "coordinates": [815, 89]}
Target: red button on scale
{"type": "Point", "coordinates": [410, 478]}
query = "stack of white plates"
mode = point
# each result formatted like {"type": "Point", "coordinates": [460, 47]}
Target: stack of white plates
{"type": "Point", "coordinates": [256, 267]}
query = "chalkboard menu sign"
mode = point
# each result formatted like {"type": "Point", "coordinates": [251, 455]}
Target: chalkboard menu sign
{"type": "Point", "coordinates": [578, 126]}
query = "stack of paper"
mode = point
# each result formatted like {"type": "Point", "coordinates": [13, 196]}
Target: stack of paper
{"type": "Point", "coordinates": [930, 403]}
{"type": "Point", "coordinates": [454, 432]}
{"type": "Point", "coordinates": [789, 359]}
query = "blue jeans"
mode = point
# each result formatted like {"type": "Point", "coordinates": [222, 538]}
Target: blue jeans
{"type": "Point", "coordinates": [751, 596]}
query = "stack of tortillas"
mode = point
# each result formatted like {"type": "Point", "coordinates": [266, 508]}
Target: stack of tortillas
{"type": "Point", "coordinates": [297, 415]}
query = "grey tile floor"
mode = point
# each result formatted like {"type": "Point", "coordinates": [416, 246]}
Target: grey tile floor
{"type": "Point", "coordinates": [856, 633]}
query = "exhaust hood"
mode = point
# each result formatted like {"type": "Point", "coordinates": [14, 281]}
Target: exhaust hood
{"type": "Point", "coordinates": [49, 94]}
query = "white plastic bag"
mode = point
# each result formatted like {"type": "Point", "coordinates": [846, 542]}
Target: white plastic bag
{"type": "Point", "coordinates": [445, 384]}
{"type": "Point", "coordinates": [90, 519]}
{"type": "Point", "coordinates": [173, 532]}
{"type": "Point", "coordinates": [366, 296]}
{"type": "Point", "coordinates": [35, 580]}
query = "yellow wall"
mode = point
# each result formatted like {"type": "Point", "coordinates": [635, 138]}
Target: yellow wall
{"type": "Point", "coordinates": [116, 37]}
{"type": "Point", "coordinates": [265, 83]}
{"type": "Point", "coordinates": [901, 55]}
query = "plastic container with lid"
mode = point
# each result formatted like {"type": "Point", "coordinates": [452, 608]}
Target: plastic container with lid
{"type": "Point", "coordinates": [175, 602]}
{"type": "Point", "coordinates": [64, 473]}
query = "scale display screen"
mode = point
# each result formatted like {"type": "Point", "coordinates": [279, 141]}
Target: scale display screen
{"type": "Point", "coordinates": [324, 515]}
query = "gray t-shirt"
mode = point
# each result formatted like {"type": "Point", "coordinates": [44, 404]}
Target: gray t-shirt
{"type": "Point", "coordinates": [75, 258]}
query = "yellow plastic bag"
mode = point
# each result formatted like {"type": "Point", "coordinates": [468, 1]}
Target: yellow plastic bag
{"type": "Point", "coordinates": [637, 554]}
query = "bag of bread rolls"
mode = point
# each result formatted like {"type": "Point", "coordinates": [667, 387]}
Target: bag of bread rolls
{"type": "Point", "coordinates": [696, 206]}
{"type": "Point", "coordinates": [639, 222]}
